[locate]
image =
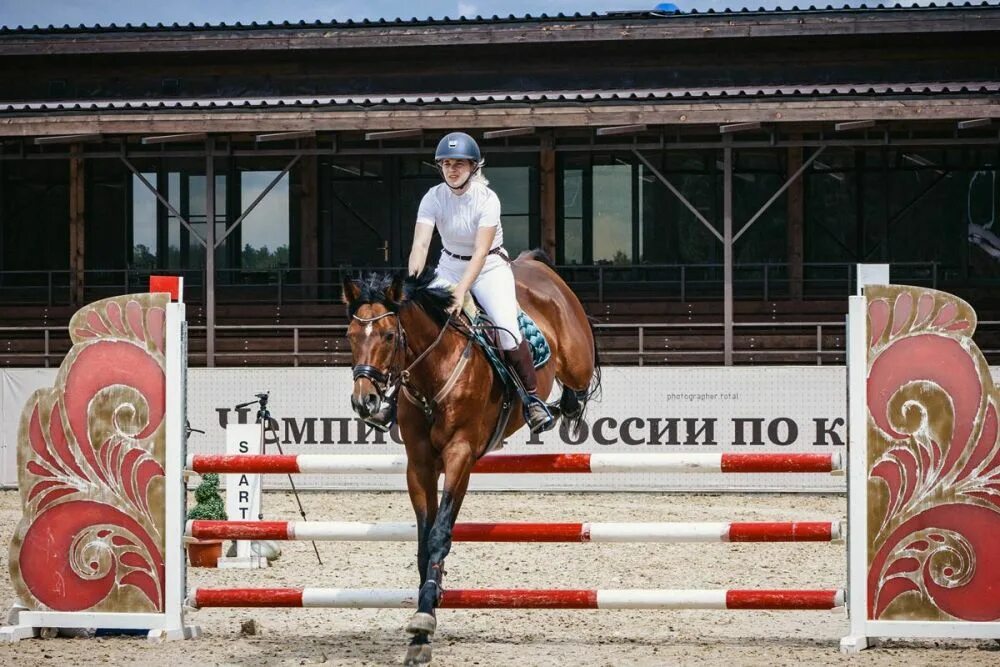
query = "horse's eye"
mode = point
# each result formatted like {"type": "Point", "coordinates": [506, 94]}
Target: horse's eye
{"type": "Point", "coordinates": [389, 335]}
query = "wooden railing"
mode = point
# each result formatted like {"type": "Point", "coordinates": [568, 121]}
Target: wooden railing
{"type": "Point", "coordinates": [600, 282]}
{"type": "Point", "coordinates": [643, 344]}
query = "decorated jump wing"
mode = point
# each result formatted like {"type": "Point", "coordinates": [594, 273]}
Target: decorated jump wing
{"type": "Point", "coordinates": [91, 467]}
{"type": "Point", "coordinates": [934, 461]}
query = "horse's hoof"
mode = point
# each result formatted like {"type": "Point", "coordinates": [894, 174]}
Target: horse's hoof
{"type": "Point", "coordinates": [421, 622]}
{"type": "Point", "coordinates": [419, 654]}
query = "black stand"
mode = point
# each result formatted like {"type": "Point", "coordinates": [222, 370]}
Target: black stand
{"type": "Point", "coordinates": [264, 417]}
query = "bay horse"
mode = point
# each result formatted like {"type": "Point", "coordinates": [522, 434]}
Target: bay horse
{"type": "Point", "coordinates": [403, 341]}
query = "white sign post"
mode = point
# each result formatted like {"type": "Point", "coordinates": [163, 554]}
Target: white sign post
{"type": "Point", "coordinates": [243, 492]}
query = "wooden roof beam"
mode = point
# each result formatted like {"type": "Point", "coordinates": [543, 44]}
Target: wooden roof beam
{"type": "Point", "coordinates": [854, 125]}
{"type": "Point", "coordinates": [285, 136]}
{"type": "Point", "coordinates": [69, 139]}
{"type": "Point", "coordinates": [229, 121]}
{"type": "Point", "coordinates": [188, 137]}
{"type": "Point", "coordinates": [976, 122]}
{"type": "Point", "coordinates": [512, 132]}
{"type": "Point", "coordinates": [393, 134]}
{"type": "Point", "coordinates": [739, 127]}
{"type": "Point", "coordinates": [718, 29]}
{"type": "Point", "coordinates": [918, 159]}
{"type": "Point", "coordinates": [619, 130]}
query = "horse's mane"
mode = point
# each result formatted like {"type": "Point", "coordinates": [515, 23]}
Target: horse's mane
{"type": "Point", "coordinates": [433, 299]}
{"type": "Point", "coordinates": [418, 290]}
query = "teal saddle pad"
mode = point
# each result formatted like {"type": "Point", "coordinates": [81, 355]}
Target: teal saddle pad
{"type": "Point", "coordinates": [540, 350]}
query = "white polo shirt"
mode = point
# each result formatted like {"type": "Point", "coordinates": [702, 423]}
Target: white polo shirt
{"type": "Point", "coordinates": [458, 217]}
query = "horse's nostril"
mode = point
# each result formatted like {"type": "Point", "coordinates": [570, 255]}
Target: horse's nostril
{"type": "Point", "coordinates": [371, 402]}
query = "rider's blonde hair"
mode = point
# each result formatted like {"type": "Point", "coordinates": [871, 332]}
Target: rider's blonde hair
{"type": "Point", "coordinates": [479, 176]}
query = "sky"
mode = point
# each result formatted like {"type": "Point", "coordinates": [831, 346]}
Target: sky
{"type": "Point", "coordinates": [91, 12]}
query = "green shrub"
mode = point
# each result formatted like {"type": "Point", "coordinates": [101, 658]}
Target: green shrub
{"type": "Point", "coordinates": [209, 505]}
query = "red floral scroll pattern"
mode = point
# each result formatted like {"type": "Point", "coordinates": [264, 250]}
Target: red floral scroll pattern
{"type": "Point", "coordinates": [933, 461]}
{"type": "Point", "coordinates": [90, 467]}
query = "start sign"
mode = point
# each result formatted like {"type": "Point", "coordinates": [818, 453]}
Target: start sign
{"type": "Point", "coordinates": [243, 491]}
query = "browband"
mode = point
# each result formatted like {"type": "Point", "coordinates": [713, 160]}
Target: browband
{"type": "Point", "coordinates": [373, 319]}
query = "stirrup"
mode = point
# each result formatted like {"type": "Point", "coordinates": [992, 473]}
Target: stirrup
{"type": "Point", "coordinates": [540, 426]}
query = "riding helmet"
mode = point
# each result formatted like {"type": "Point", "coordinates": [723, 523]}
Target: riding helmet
{"type": "Point", "coordinates": [458, 146]}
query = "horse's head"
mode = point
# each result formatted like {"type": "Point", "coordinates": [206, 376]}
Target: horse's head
{"type": "Point", "coordinates": [377, 346]}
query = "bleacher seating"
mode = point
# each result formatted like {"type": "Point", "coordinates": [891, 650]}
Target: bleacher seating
{"type": "Point", "coordinates": [672, 333]}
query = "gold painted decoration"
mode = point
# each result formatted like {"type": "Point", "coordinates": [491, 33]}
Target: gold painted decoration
{"type": "Point", "coordinates": [933, 461]}
{"type": "Point", "coordinates": [91, 467]}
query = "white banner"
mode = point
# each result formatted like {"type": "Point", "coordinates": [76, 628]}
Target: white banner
{"type": "Point", "coordinates": [643, 410]}
{"type": "Point", "coordinates": [773, 409]}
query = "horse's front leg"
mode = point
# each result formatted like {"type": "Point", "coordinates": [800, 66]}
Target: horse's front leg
{"type": "Point", "coordinates": [423, 555]}
{"type": "Point", "coordinates": [458, 460]}
{"type": "Point", "coordinates": [421, 481]}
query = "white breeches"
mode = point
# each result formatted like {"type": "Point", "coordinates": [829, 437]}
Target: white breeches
{"type": "Point", "coordinates": [494, 289]}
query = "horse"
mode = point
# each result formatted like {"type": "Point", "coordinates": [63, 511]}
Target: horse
{"type": "Point", "coordinates": [403, 341]}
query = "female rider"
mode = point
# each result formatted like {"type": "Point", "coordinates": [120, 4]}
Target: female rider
{"type": "Point", "coordinates": [466, 214]}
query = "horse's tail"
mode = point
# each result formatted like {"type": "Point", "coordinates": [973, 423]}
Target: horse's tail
{"type": "Point", "coordinates": [573, 403]}
{"type": "Point", "coordinates": [594, 391]}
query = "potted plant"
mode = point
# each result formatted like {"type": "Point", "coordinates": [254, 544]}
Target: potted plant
{"type": "Point", "coordinates": [208, 507]}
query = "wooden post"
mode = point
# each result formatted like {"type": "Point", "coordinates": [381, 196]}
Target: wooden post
{"type": "Point", "coordinates": [210, 252]}
{"type": "Point", "coordinates": [77, 215]}
{"type": "Point", "coordinates": [547, 173]}
{"type": "Point", "coordinates": [308, 170]}
{"type": "Point", "coordinates": [796, 217]}
{"type": "Point", "coordinates": [727, 251]}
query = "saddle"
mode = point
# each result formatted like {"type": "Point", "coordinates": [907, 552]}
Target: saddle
{"type": "Point", "coordinates": [485, 335]}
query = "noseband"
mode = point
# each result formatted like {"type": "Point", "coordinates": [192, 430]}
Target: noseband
{"type": "Point", "coordinates": [386, 382]}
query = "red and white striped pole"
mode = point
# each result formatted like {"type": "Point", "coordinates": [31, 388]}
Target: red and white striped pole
{"type": "Point", "coordinates": [803, 531]}
{"type": "Point", "coordinates": [520, 598]}
{"type": "Point", "coordinates": [524, 463]}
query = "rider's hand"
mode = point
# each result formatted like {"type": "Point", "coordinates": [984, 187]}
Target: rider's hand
{"type": "Point", "coordinates": [457, 303]}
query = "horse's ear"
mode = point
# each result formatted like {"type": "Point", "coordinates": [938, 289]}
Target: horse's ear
{"type": "Point", "coordinates": [352, 290]}
{"type": "Point", "coordinates": [395, 293]}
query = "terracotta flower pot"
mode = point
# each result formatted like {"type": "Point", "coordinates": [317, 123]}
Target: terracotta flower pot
{"type": "Point", "coordinates": [204, 553]}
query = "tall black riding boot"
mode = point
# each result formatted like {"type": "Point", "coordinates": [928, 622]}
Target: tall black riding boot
{"type": "Point", "coordinates": [536, 413]}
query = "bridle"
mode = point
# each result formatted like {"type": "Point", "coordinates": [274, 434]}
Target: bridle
{"type": "Point", "coordinates": [389, 381]}
{"type": "Point", "coordinates": [386, 382]}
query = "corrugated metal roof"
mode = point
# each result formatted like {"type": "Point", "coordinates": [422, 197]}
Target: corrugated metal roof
{"type": "Point", "coordinates": [462, 20]}
{"type": "Point", "coordinates": [565, 96]}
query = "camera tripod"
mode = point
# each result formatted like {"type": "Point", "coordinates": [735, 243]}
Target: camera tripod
{"type": "Point", "coordinates": [264, 417]}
